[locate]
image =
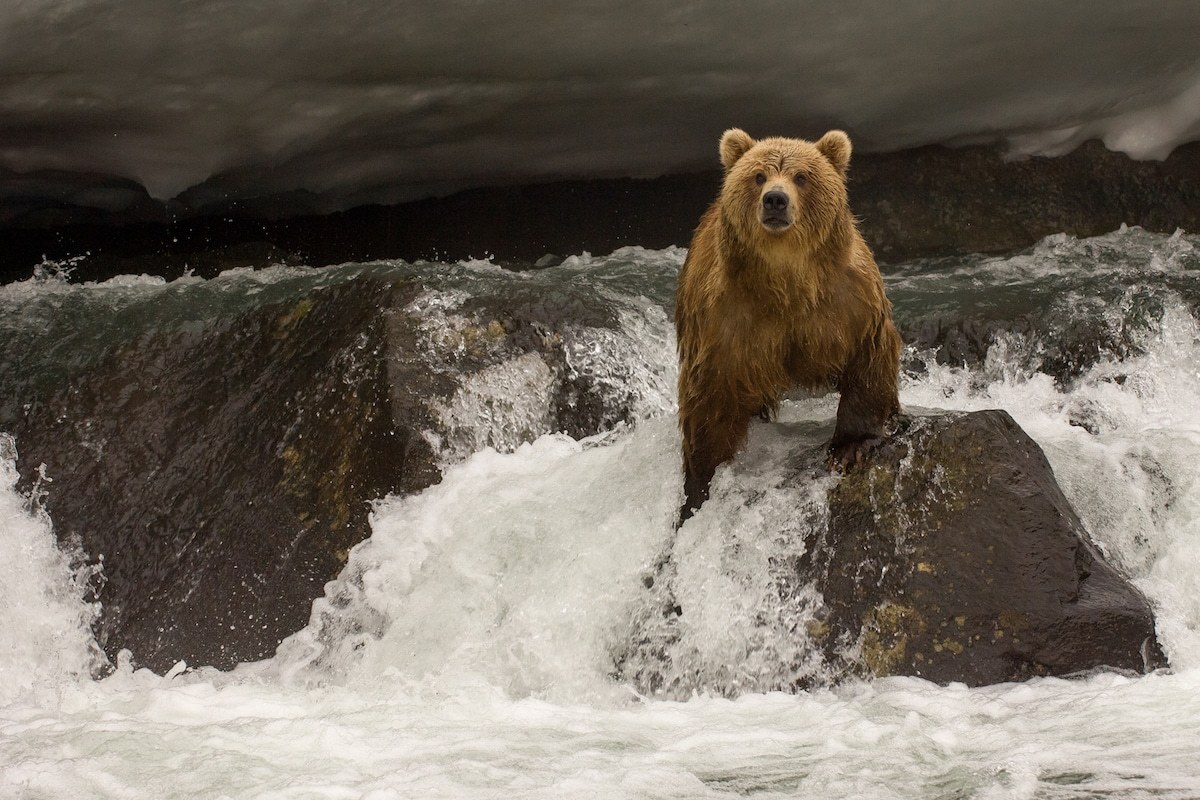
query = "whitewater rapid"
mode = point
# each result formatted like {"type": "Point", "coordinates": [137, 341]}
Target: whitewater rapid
{"type": "Point", "coordinates": [467, 649]}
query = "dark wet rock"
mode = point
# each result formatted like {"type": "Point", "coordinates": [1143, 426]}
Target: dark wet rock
{"type": "Point", "coordinates": [1060, 307]}
{"type": "Point", "coordinates": [951, 555]}
{"type": "Point", "coordinates": [218, 460]}
{"type": "Point", "coordinates": [220, 475]}
{"type": "Point", "coordinates": [932, 201]}
{"type": "Point", "coordinates": [1045, 341]}
{"type": "Point", "coordinates": [955, 557]}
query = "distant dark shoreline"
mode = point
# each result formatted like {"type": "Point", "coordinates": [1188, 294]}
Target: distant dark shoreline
{"type": "Point", "coordinates": [924, 202]}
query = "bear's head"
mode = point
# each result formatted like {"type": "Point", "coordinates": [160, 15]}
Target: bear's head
{"type": "Point", "coordinates": [784, 191]}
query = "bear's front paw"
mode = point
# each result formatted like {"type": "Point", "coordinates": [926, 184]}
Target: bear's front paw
{"type": "Point", "coordinates": [848, 455]}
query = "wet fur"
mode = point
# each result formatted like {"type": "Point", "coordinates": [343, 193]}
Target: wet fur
{"type": "Point", "coordinates": [758, 312]}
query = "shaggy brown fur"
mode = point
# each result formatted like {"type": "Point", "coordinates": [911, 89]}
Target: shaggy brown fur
{"type": "Point", "coordinates": [779, 289]}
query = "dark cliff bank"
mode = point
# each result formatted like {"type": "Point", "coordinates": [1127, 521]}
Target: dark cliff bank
{"type": "Point", "coordinates": [922, 202]}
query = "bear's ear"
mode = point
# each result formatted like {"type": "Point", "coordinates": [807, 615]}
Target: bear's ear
{"type": "Point", "coordinates": [734, 144]}
{"type": "Point", "coordinates": [835, 146]}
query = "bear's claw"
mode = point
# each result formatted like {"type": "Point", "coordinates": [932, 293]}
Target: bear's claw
{"type": "Point", "coordinates": [844, 457]}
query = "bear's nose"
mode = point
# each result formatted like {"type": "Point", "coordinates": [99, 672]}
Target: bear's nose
{"type": "Point", "coordinates": [775, 200]}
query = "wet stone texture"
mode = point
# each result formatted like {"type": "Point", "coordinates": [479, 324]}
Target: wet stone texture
{"type": "Point", "coordinates": [220, 475]}
{"type": "Point", "coordinates": [950, 555]}
{"type": "Point", "coordinates": [220, 465]}
{"type": "Point", "coordinates": [954, 556]}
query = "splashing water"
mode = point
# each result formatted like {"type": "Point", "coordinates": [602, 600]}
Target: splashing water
{"type": "Point", "coordinates": [44, 621]}
{"type": "Point", "coordinates": [469, 648]}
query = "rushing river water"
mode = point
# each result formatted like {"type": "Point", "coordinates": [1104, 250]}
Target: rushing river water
{"type": "Point", "coordinates": [467, 650]}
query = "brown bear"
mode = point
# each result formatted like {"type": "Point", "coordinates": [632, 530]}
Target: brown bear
{"type": "Point", "coordinates": [778, 290]}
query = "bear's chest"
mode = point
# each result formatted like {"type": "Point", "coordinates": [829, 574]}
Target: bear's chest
{"type": "Point", "coordinates": [811, 343]}
{"type": "Point", "coordinates": [818, 350]}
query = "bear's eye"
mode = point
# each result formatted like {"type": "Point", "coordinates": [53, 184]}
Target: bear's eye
{"type": "Point", "coordinates": [800, 179]}
{"type": "Point", "coordinates": [760, 179]}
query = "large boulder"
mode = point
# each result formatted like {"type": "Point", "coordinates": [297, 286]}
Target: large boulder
{"type": "Point", "coordinates": [215, 447]}
{"type": "Point", "coordinates": [951, 555]}
{"type": "Point", "coordinates": [219, 472]}
{"type": "Point", "coordinates": [955, 556]}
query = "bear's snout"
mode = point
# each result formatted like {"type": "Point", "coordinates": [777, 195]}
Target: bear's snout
{"type": "Point", "coordinates": [775, 210]}
{"type": "Point", "coordinates": [775, 200]}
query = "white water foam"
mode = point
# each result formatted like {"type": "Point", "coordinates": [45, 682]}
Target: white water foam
{"type": "Point", "coordinates": [517, 570]}
{"type": "Point", "coordinates": [1136, 481]}
{"type": "Point", "coordinates": [501, 594]}
{"type": "Point", "coordinates": [467, 650]}
{"type": "Point", "coordinates": [44, 636]}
